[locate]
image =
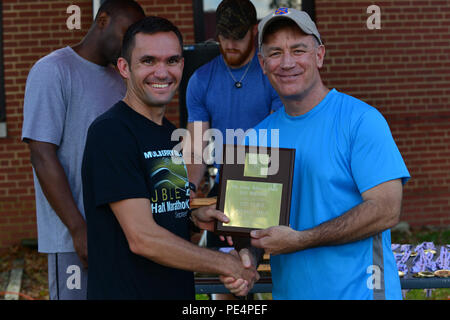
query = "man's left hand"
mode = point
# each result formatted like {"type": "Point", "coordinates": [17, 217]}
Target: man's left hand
{"type": "Point", "coordinates": [205, 218]}
{"type": "Point", "coordinates": [276, 240]}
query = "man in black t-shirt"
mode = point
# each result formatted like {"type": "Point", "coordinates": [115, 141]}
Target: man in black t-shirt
{"type": "Point", "coordinates": [135, 186]}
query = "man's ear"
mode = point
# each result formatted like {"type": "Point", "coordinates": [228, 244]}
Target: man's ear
{"type": "Point", "coordinates": [320, 56]}
{"type": "Point", "coordinates": [255, 30]}
{"type": "Point", "coordinates": [261, 61]}
{"type": "Point", "coordinates": [102, 20]}
{"type": "Point", "coordinates": [123, 67]}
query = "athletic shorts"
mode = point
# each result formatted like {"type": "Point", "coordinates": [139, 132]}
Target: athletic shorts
{"type": "Point", "coordinates": [67, 278]}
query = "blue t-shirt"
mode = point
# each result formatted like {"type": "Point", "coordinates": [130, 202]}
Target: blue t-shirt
{"type": "Point", "coordinates": [212, 97]}
{"type": "Point", "coordinates": [343, 148]}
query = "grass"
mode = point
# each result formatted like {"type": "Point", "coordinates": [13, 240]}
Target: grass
{"type": "Point", "coordinates": [421, 294]}
{"type": "Point", "coordinates": [439, 237]}
{"type": "Point", "coordinates": [35, 276]}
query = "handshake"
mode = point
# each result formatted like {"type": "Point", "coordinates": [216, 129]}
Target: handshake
{"type": "Point", "coordinates": [238, 273]}
{"type": "Point", "coordinates": [239, 268]}
{"type": "Point", "coordinates": [242, 281]}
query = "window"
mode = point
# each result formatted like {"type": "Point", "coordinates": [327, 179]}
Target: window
{"type": "Point", "coordinates": [205, 19]}
{"type": "Point", "coordinates": [2, 83]}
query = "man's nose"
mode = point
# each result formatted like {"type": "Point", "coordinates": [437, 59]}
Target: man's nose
{"type": "Point", "coordinates": [161, 71]}
{"type": "Point", "coordinates": [230, 44]}
{"type": "Point", "coordinates": [287, 61]}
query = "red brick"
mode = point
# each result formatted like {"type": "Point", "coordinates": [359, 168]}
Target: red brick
{"type": "Point", "coordinates": [417, 81]}
{"type": "Point", "coordinates": [402, 69]}
{"type": "Point", "coordinates": [31, 30]}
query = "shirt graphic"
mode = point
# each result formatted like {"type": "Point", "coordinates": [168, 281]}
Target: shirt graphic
{"type": "Point", "coordinates": [170, 183]}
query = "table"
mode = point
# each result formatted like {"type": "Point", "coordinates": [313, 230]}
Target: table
{"type": "Point", "coordinates": [205, 284]}
{"type": "Point", "coordinates": [208, 285]}
{"type": "Point", "coordinates": [425, 283]}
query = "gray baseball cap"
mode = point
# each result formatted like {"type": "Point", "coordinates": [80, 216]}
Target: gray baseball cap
{"type": "Point", "coordinates": [301, 18]}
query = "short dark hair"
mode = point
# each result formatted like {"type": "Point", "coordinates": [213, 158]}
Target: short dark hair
{"type": "Point", "coordinates": [113, 7]}
{"type": "Point", "coordinates": [148, 25]}
{"type": "Point", "coordinates": [234, 18]}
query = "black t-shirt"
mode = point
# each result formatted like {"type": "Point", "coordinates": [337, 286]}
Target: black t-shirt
{"type": "Point", "coordinates": [128, 156]}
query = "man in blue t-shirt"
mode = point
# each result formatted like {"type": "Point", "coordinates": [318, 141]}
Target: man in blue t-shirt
{"type": "Point", "coordinates": [348, 176]}
{"type": "Point", "coordinates": [231, 91]}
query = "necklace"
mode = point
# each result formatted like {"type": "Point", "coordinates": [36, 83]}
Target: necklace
{"type": "Point", "coordinates": [238, 84]}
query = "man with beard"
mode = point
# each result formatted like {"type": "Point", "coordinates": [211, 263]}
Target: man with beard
{"type": "Point", "coordinates": [135, 186]}
{"type": "Point", "coordinates": [231, 91]}
{"type": "Point", "coordinates": [65, 91]}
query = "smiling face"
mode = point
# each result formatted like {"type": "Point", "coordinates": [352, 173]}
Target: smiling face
{"type": "Point", "coordinates": [155, 69]}
{"type": "Point", "coordinates": [291, 60]}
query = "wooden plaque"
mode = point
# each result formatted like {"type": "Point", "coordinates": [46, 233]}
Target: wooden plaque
{"type": "Point", "coordinates": [255, 188]}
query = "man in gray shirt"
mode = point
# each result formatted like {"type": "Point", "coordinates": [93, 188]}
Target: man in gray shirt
{"type": "Point", "coordinates": [65, 91]}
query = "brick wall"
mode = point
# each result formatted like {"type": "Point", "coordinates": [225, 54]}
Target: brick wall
{"type": "Point", "coordinates": [403, 69]}
{"type": "Point", "coordinates": [32, 29]}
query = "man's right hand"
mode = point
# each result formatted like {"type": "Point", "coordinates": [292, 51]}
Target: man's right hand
{"type": "Point", "coordinates": [56, 188]}
{"type": "Point", "coordinates": [79, 238]}
{"type": "Point", "coordinates": [242, 285]}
